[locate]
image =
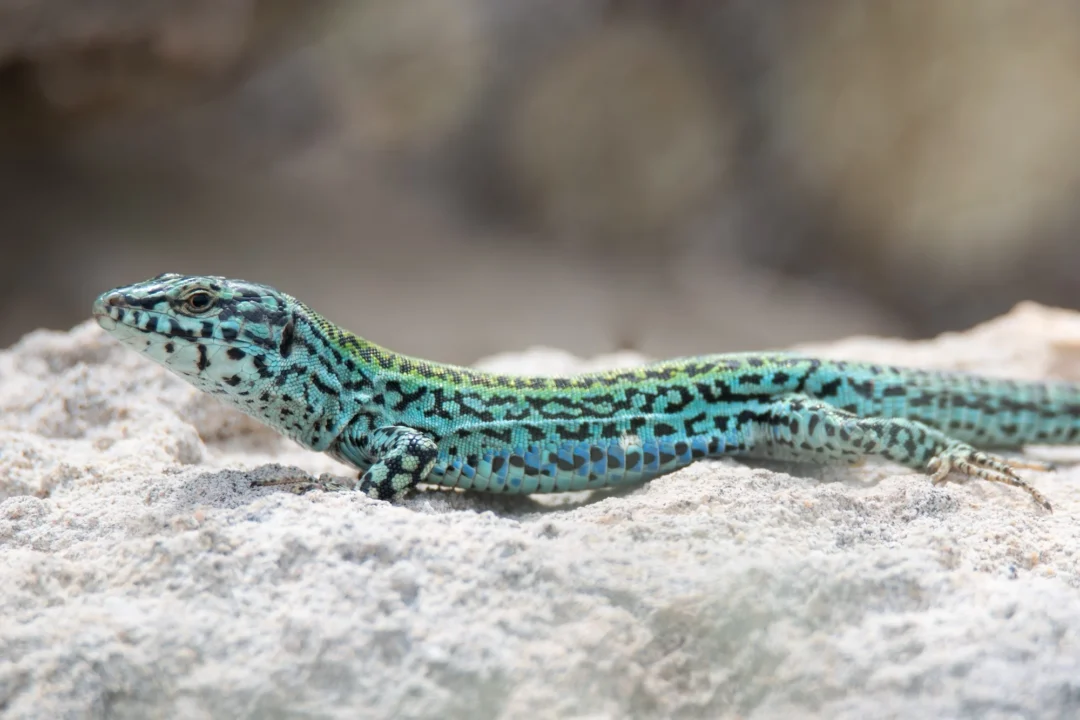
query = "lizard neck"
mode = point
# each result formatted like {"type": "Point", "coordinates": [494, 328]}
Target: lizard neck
{"type": "Point", "coordinates": [315, 380]}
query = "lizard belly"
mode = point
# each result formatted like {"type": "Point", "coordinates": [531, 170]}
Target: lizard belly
{"type": "Point", "coordinates": [565, 466]}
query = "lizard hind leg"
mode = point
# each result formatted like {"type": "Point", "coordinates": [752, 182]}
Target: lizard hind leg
{"type": "Point", "coordinates": [797, 427]}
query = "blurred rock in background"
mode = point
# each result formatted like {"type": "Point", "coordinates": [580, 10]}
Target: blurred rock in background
{"type": "Point", "coordinates": [455, 178]}
{"type": "Point", "coordinates": [936, 145]}
{"type": "Point", "coordinates": [618, 140]}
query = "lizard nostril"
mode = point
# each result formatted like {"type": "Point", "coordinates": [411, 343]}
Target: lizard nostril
{"type": "Point", "coordinates": [108, 302]}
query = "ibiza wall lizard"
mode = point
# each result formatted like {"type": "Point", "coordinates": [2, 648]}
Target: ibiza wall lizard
{"type": "Point", "coordinates": [401, 421]}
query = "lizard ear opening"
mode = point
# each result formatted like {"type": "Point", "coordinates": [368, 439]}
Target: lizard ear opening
{"type": "Point", "coordinates": [287, 332]}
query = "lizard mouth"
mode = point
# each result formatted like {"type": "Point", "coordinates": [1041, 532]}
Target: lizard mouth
{"type": "Point", "coordinates": [107, 310]}
{"type": "Point", "coordinates": [112, 312]}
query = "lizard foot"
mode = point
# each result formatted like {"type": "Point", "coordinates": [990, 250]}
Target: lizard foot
{"type": "Point", "coordinates": [966, 460]}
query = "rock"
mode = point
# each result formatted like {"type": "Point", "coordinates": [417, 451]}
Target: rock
{"type": "Point", "coordinates": [142, 576]}
{"type": "Point", "coordinates": [406, 76]}
{"type": "Point", "coordinates": [69, 60]}
{"type": "Point", "coordinates": [620, 138]}
{"type": "Point", "coordinates": [902, 126]}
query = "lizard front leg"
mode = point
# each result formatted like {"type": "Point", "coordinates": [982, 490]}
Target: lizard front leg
{"type": "Point", "coordinates": [797, 427]}
{"type": "Point", "coordinates": [392, 460]}
{"type": "Point", "coordinates": [396, 457]}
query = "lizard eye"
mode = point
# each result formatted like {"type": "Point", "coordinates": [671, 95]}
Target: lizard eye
{"type": "Point", "coordinates": [199, 301]}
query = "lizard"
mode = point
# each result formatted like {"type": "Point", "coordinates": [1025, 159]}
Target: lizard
{"type": "Point", "coordinates": [401, 421]}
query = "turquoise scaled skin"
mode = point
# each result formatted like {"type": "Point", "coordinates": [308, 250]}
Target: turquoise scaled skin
{"type": "Point", "coordinates": [402, 421]}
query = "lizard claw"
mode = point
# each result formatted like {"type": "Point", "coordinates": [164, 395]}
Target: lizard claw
{"type": "Point", "coordinates": [289, 480]}
{"type": "Point", "coordinates": [967, 461]}
{"type": "Point", "coordinates": [1020, 463]}
{"type": "Point", "coordinates": [302, 485]}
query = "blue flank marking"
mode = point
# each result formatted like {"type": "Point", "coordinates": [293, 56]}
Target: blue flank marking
{"type": "Point", "coordinates": [505, 455]}
{"type": "Point", "coordinates": [566, 454]}
{"type": "Point", "coordinates": [616, 451]}
{"type": "Point", "coordinates": [669, 448]}
{"type": "Point", "coordinates": [583, 451]}
{"type": "Point", "coordinates": [453, 472]}
{"type": "Point", "coordinates": [651, 446]}
{"type": "Point", "coordinates": [532, 457]}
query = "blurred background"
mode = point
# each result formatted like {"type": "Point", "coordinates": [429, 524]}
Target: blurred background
{"type": "Point", "coordinates": [454, 178]}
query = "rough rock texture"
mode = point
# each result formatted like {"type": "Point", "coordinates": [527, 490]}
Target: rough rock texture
{"type": "Point", "coordinates": [141, 577]}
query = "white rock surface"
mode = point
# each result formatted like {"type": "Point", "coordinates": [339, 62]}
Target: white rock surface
{"type": "Point", "coordinates": [141, 577]}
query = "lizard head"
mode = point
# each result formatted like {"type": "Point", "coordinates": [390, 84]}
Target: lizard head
{"type": "Point", "coordinates": [224, 336]}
